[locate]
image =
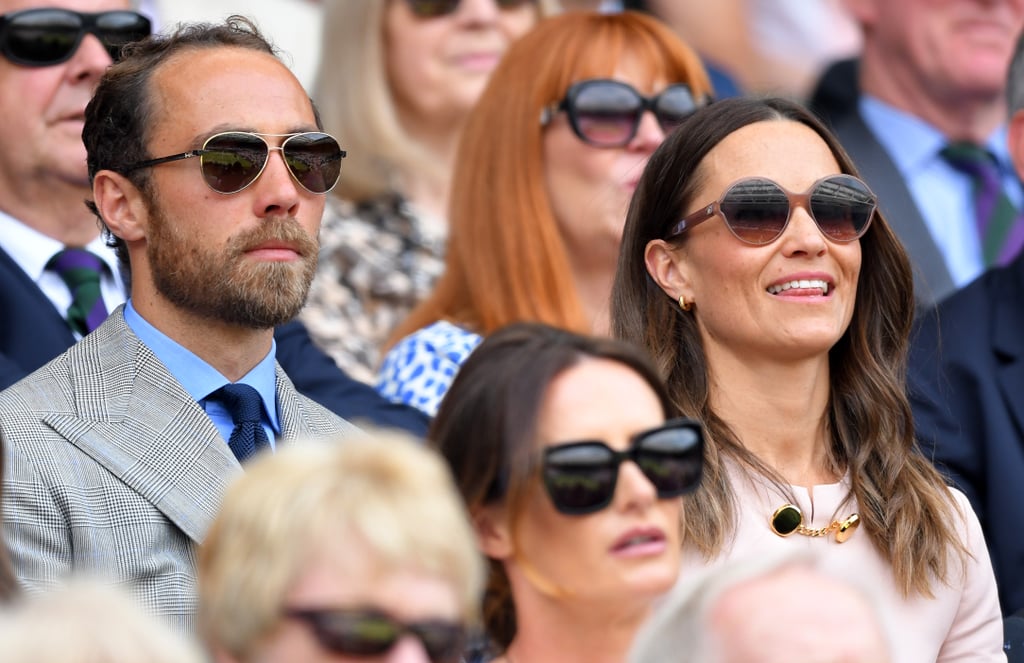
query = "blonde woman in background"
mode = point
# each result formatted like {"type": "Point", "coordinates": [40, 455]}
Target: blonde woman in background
{"type": "Point", "coordinates": [354, 550]}
{"type": "Point", "coordinates": [395, 83]}
{"type": "Point", "coordinates": [87, 622]}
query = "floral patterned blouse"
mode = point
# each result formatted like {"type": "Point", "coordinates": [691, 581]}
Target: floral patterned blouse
{"type": "Point", "coordinates": [377, 261]}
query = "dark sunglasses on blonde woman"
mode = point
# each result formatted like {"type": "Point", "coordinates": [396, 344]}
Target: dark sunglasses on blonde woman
{"type": "Point", "coordinates": [46, 37]}
{"type": "Point", "coordinates": [232, 160]}
{"type": "Point", "coordinates": [607, 113]}
{"type": "Point", "coordinates": [757, 210]}
{"type": "Point", "coordinates": [433, 8]}
{"type": "Point", "coordinates": [368, 632]}
{"type": "Point", "coordinates": [580, 477]}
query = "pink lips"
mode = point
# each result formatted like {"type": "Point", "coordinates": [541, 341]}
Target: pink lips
{"type": "Point", "coordinates": [482, 61]}
{"type": "Point", "coordinates": [803, 285]}
{"type": "Point", "coordinates": [274, 252]}
{"type": "Point", "coordinates": [640, 542]}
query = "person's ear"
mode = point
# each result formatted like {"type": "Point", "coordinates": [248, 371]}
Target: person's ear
{"type": "Point", "coordinates": [120, 205]}
{"type": "Point", "coordinates": [666, 266]}
{"type": "Point", "coordinates": [1015, 142]}
{"type": "Point", "coordinates": [493, 534]}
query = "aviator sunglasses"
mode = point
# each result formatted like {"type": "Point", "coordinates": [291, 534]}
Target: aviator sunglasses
{"type": "Point", "coordinates": [434, 8]}
{"type": "Point", "coordinates": [233, 160]}
{"type": "Point", "coordinates": [371, 632]}
{"type": "Point", "coordinates": [580, 477]}
{"type": "Point", "coordinates": [757, 210]}
{"type": "Point", "coordinates": [607, 113]}
{"type": "Point", "coordinates": [45, 37]}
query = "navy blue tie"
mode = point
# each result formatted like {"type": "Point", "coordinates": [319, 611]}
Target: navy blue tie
{"type": "Point", "coordinates": [243, 402]}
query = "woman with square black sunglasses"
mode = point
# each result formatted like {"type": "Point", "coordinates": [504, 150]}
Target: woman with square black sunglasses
{"type": "Point", "coordinates": [758, 270]}
{"type": "Point", "coordinates": [564, 450]}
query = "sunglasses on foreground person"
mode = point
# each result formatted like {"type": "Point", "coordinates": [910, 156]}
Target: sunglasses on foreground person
{"type": "Point", "coordinates": [572, 468]}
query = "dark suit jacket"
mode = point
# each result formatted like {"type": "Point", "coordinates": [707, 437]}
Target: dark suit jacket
{"type": "Point", "coordinates": [967, 391]}
{"type": "Point", "coordinates": [932, 280]}
{"type": "Point", "coordinates": [32, 333]}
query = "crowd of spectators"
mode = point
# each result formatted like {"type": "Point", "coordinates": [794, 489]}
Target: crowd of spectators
{"type": "Point", "coordinates": [492, 331]}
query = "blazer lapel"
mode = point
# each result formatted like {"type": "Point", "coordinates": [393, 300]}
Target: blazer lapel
{"type": "Point", "coordinates": [301, 418]}
{"type": "Point", "coordinates": [932, 280]}
{"type": "Point", "coordinates": [137, 421]}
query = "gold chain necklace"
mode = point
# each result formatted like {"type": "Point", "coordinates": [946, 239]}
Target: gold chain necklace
{"type": "Point", "coordinates": [788, 519]}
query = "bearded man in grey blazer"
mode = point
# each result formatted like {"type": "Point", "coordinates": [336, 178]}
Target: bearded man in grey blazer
{"type": "Point", "coordinates": [208, 173]}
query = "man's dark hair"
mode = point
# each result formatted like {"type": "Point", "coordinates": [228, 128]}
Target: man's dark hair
{"type": "Point", "coordinates": [119, 117]}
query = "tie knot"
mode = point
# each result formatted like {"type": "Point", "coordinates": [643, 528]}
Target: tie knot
{"type": "Point", "coordinates": [972, 159]}
{"type": "Point", "coordinates": [242, 401]}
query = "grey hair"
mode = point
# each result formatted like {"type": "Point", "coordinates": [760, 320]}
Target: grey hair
{"type": "Point", "coordinates": [678, 630]}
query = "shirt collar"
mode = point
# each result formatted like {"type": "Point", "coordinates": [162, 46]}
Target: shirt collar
{"type": "Point", "coordinates": [912, 143]}
{"type": "Point", "coordinates": [199, 378]}
{"type": "Point", "coordinates": [31, 249]}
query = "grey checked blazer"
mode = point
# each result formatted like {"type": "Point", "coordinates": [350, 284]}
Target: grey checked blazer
{"type": "Point", "coordinates": [112, 468]}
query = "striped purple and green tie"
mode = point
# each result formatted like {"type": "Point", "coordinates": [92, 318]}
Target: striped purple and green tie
{"type": "Point", "coordinates": [81, 271]}
{"type": "Point", "coordinates": [1000, 224]}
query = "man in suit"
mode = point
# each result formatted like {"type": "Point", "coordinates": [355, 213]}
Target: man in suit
{"type": "Point", "coordinates": [967, 390]}
{"type": "Point", "coordinates": [117, 452]}
{"type": "Point", "coordinates": [43, 182]}
{"type": "Point", "coordinates": [931, 74]}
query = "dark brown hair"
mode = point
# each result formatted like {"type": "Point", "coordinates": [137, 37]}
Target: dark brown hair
{"type": "Point", "coordinates": [905, 506]}
{"type": "Point", "coordinates": [486, 427]}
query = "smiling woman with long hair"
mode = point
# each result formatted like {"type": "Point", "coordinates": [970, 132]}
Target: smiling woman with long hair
{"type": "Point", "coordinates": [776, 300]}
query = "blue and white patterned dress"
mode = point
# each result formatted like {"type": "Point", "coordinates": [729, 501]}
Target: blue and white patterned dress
{"type": "Point", "coordinates": [419, 369]}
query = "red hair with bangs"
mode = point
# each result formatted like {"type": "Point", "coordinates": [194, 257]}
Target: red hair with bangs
{"type": "Point", "coordinates": [506, 258]}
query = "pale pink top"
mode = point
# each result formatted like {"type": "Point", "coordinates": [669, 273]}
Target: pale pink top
{"type": "Point", "coordinates": [962, 623]}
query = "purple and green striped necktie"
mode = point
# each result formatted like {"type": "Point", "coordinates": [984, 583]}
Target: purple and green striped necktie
{"type": "Point", "coordinates": [1000, 224]}
{"type": "Point", "coordinates": [80, 270]}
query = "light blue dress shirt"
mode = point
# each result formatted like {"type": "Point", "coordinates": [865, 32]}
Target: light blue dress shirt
{"type": "Point", "coordinates": [943, 194]}
{"type": "Point", "coordinates": [200, 379]}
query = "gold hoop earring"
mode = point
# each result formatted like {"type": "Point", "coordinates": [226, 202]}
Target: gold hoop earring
{"type": "Point", "coordinates": [683, 304]}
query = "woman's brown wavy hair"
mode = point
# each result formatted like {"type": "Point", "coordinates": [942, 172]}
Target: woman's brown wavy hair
{"type": "Point", "coordinates": [506, 259]}
{"type": "Point", "coordinates": [904, 504]}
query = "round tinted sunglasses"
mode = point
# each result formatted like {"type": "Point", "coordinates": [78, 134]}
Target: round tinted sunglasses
{"type": "Point", "coordinates": [433, 8]}
{"type": "Point", "coordinates": [45, 37]}
{"type": "Point", "coordinates": [607, 113]}
{"type": "Point", "coordinates": [370, 632]}
{"type": "Point", "coordinates": [233, 160]}
{"type": "Point", "coordinates": [580, 477]}
{"type": "Point", "coordinates": [757, 210]}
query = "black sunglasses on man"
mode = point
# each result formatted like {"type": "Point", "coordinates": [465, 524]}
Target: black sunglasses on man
{"type": "Point", "coordinates": [49, 36]}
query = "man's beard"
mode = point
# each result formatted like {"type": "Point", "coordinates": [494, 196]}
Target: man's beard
{"type": "Point", "coordinates": [224, 285]}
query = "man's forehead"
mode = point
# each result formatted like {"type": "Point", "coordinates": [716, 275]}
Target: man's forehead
{"type": "Point", "coordinates": [208, 90]}
{"type": "Point", "coordinates": [7, 6]}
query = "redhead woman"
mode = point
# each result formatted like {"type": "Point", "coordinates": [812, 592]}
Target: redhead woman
{"type": "Point", "coordinates": [775, 298]}
{"type": "Point", "coordinates": [562, 448]}
{"type": "Point", "coordinates": [549, 159]}
{"type": "Point", "coordinates": [397, 79]}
